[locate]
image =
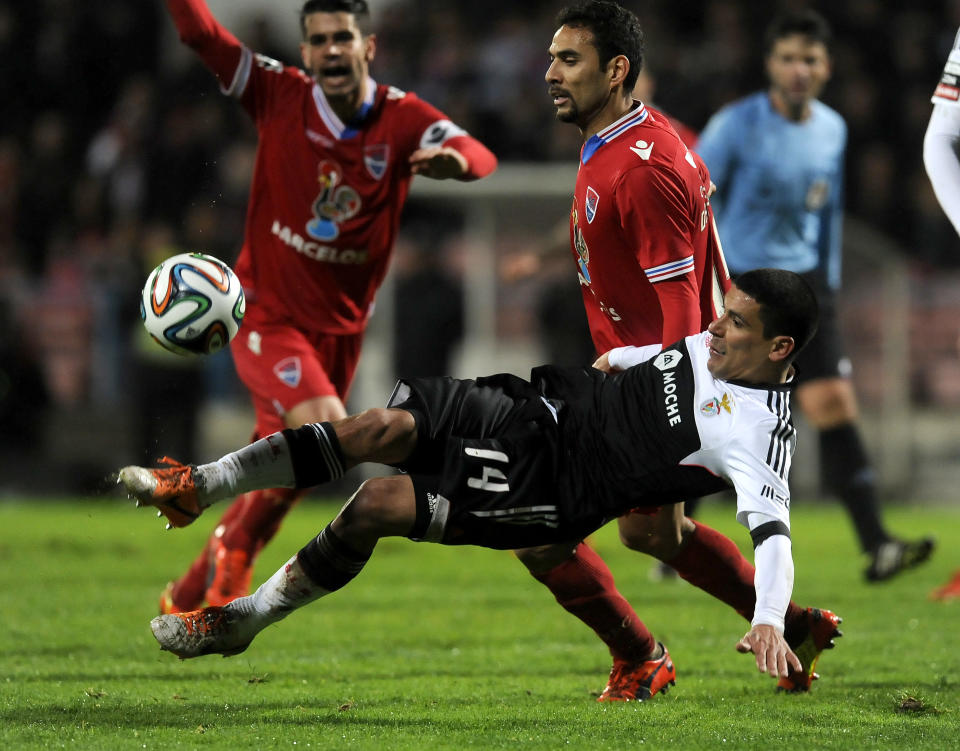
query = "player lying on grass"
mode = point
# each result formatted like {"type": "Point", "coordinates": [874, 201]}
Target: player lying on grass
{"type": "Point", "coordinates": [502, 462]}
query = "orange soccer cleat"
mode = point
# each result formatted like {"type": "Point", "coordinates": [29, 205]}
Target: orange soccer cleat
{"type": "Point", "coordinates": [172, 490]}
{"type": "Point", "coordinates": [633, 681]}
{"type": "Point", "coordinates": [203, 632]}
{"type": "Point", "coordinates": [232, 574]}
{"type": "Point", "coordinates": [823, 628]}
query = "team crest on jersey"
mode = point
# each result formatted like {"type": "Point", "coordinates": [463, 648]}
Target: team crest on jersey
{"type": "Point", "coordinates": [580, 245]}
{"type": "Point", "coordinates": [667, 360]}
{"type": "Point", "coordinates": [376, 158]}
{"type": "Point", "coordinates": [335, 203]}
{"type": "Point", "coordinates": [712, 407]}
{"type": "Point", "coordinates": [288, 370]}
{"type": "Point", "coordinates": [593, 198]}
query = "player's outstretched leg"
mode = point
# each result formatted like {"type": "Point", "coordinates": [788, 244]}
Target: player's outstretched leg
{"type": "Point", "coordinates": [583, 585]}
{"type": "Point", "coordinates": [181, 492]}
{"type": "Point", "coordinates": [821, 628]}
{"type": "Point", "coordinates": [312, 454]}
{"type": "Point", "coordinates": [381, 507]}
{"type": "Point", "coordinates": [228, 630]}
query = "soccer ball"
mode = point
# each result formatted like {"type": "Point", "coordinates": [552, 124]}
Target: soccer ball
{"type": "Point", "coordinates": [192, 304]}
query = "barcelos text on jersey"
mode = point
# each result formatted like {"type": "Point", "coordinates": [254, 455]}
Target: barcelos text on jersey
{"type": "Point", "coordinates": [334, 204]}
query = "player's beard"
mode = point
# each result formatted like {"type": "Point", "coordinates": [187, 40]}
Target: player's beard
{"type": "Point", "coordinates": [571, 114]}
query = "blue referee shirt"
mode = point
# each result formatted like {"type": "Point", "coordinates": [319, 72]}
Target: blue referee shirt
{"type": "Point", "coordinates": [779, 198]}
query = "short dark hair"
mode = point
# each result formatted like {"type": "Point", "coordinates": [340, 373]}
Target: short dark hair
{"type": "Point", "coordinates": [806, 22]}
{"type": "Point", "coordinates": [358, 8]}
{"type": "Point", "coordinates": [616, 31]}
{"type": "Point", "coordinates": [788, 305]}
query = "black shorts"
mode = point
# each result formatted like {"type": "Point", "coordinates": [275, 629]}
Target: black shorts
{"type": "Point", "coordinates": [487, 468]}
{"type": "Point", "coordinates": [823, 357]}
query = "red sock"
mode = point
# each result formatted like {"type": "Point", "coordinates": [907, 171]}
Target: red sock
{"type": "Point", "coordinates": [260, 516]}
{"type": "Point", "coordinates": [584, 586]}
{"type": "Point", "coordinates": [714, 563]}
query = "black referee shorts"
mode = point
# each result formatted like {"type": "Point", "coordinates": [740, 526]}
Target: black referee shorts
{"type": "Point", "coordinates": [486, 470]}
{"type": "Point", "coordinates": [823, 357]}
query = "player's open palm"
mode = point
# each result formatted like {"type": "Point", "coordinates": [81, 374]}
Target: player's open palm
{"type": "Point", "coordinates": [438, 162]}
{"type": "Point", "coordinates": [770, 649]}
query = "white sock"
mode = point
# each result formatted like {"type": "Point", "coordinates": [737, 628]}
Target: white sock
{"type": "Point", "coordinates": [265, 463]}
{"type": "Point", "coordinates": [288, 589]}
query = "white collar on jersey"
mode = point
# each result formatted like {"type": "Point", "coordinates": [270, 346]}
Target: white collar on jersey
{"type": "Point", "coordinates": [330, 118]}
{"type": "Point", "coordinates": [634, 117]}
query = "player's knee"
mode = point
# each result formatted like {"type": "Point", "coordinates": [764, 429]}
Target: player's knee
{"type": "Point", "coordinates": [376, 507]}
{"type": "Point", "coordinates": [636, 539]}
{"type": "Point", "coordinates": [544, 557]}
{"type": "Point", "coordinates": [647, 534]}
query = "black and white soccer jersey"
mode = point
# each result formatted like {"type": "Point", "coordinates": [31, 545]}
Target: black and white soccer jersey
{"type": "Point", "coordinates": [667, 430]}
{"type": "Point", "coordinates": [506, 463]}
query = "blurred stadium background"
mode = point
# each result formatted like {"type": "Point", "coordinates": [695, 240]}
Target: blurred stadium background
{"type": "Point", "coordinates": [116, 149]}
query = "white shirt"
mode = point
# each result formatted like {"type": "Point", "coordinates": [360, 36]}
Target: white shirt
{"type": "Point", "coordinates": [942, 139]}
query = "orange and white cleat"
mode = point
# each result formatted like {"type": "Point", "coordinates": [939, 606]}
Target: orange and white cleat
{"type": "Point", "coordinates": [822, 630]}
{"type": "Point", "coordinates": [206, 631]}
{"type": "Point", "coordinates": [638, 681]}
{"type": "Point", "coordinates": [232, 575]}
{"type": "Point", "coordinates": [949, 591]}
{"type": "Point", "coordinates": [173, 490]}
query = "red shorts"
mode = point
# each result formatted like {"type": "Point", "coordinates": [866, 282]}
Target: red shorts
{"type": "Point", "coordinates": [283, 366]}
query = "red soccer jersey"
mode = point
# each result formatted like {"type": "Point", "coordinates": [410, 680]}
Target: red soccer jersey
{"type": "Point", "coordinates": [650, 264]}
{"type": "Point", "coordinates": [326, 196]}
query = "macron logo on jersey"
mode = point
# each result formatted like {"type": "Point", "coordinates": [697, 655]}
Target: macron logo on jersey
{"type": "Point", "coordinates": [642, 149]}
{"type": "Point", "coordinates": [439, 133]}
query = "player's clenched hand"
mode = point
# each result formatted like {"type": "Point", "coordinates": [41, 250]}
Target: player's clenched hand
{"type": "Point", "coordinates": [772, 653]}
{"type": "Point", "coordinates": [438, 162]}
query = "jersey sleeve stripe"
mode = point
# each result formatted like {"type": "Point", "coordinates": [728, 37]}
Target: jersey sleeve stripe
{"type": "Point", "coordinates": [779, 450]}
{"type": "Point", "coordinates": [241, 76]}
{"type": "Point", "coordinates": [670, 270]}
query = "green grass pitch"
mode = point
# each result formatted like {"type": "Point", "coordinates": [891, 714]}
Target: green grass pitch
{"type": "Point", "coordinates": [452, 648]}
